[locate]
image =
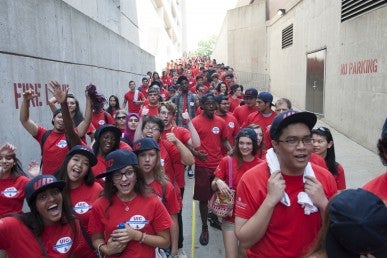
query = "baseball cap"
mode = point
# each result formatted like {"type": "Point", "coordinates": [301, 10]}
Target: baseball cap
{"type": "Point", "coordinates": [251, 93]}
{"type": "Point", "coordinates": [56, 112]}
{"type": "Point", "coordinates": [247, 132]}
{"type": "Point", "coordinates": [266, 97]}
{"type": "Point", "coordinates": [145, 144]}
{"type": "Point", "coordinates": [290, 117]}
{"type": "Point", "coordinates": [357, 225]}
{"type": "Point", "coordinates": [107, 127]}
{"type": "Point", "coordinates": [86, 151]}
{"type": "Point", "coordinates": [171, 88]}
{"type": "Point", "coordinates": [39, 184]}
{"type": "Point", "coordinates": [118, 159]}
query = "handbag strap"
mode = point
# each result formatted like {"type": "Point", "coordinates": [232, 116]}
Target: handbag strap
{"type": "Point", "coordinates": [42, 247]}
{"type": "Point", "coordinates": [229, 171]}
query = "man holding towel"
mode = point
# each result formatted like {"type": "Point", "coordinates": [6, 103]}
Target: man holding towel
{"type": "Point", "coordinates": [280, 202]}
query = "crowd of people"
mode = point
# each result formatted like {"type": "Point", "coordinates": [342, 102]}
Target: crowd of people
{"type": "Point", "coordinates": [111, 180]}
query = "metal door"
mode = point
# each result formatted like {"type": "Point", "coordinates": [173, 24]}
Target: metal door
{"type": "Point", "coordinates": [315, 79]}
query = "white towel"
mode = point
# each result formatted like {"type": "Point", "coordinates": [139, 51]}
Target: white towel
{"type": "Point", "coordinates": [302, 198]}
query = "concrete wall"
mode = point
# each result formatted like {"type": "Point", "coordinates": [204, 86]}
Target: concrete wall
{"type": "Point", "coordinates": [42, 42]}
{"type": "Point", "coordinates": [242, 44]}
{"type": "Point", "coordinates": [354, 102]}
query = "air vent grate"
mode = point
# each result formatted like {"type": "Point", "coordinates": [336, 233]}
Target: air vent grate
{"type": "Point", "coordinates": [287, 36]}
{"type": "Point", "coordinates": [354, 8]}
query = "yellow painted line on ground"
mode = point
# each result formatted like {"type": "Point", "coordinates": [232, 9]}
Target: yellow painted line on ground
{"type": "Point", "coordinates": [193, 229]}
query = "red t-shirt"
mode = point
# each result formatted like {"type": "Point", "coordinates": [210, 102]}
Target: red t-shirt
{"type": "Point", "coordinates": [153, 110]}
{"type": "Point", "coordinates": [101, 119]}
{"type": "Point", "coordinates": [170, 156]}
{"type": "Point", "coordinates": [232, 127]}
{"type": "Point", "coordinates": [290, 232]}
{"type": "Point", "coordinates": [58, 239]}
{"type": "Point", "coordinates": [339, 178]}
{"type": "Point", "coordinates": [171, 198]}
{"type": "Point", "coordinates": [211, 132]}
{"type": "Point", "coordinates": [82, 199]}
{"type": "Point", "coordinates": [378, 186]}
{"type": "Point", "coordinates": [132, 106]}
{"type": "Point", "coordinates": [234, 103]}
{"type": "Point", "coordinates": [184, 136]}
{"type": "Point", "coordinates": [242, 112]}
{"type": "Point", "coordinates": [12, 194]}
{"type": "Point", "coordinates": [54, 150]}
{"type": "Point", "coordinates": [259, 119]}
{"type": "Point", "coordinates": [146, 214]}
{"type": "Point", "coordinates": [222, 172]}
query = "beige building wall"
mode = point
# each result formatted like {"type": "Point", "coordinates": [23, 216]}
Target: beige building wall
{"type": "Point", "coordinates": [354, 102]}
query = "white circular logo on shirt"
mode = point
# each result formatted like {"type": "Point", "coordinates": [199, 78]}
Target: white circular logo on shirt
{"type": "Point", "coordinates": [82, 207]}
{"type": "Point", "coordinates": [101, 122]}
{"type": "Point", "coordinates": [63, 245]}
{"type": "Point", "coordinates": [137, 222]}
{"type": "Point", "coordinates": [231, 124]}
{"type": "Point", "coordinates": [10, 192]}
{"type": "Point", "coordinates": [62, 144]}
{"type": "Point", "coordinates": [215, 130]}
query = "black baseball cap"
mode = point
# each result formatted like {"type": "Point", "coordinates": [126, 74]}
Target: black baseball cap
{"type": "Point", "coordinates": [118, 159]}
{"type": "Point", "coordinates": [39, 184]}
{"type": "Point", "coordinates": [291, 117]}
{"type": "Point", "coordinates": [357, 225]}
{"type": "Point", "coordinates": [86, 151]}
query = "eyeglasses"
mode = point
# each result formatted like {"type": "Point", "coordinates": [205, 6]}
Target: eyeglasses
{"type": "Point", "coordinates": [294, 141]}
{"type": "Point", "coordinates": [118, 175]}
{"type": "Point", "coordinates": [153, 129]}
{"type": "Point", "coordinates": [120, 117]}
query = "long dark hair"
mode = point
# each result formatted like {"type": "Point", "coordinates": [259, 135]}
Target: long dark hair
{"type": "Point", "coordinates": [78, 117]}
{"type": "Point", "coordinates": [61, 174]}
{"type": "Point", "coordinates": [330, 158]}
{"type": "Point", "coordinates": [110, 109]}
{"type": "Point", "coordinates": [110, 189]}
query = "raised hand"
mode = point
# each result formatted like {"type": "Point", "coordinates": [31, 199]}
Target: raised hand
{"type": "Point", "coordinates": [57, 91]}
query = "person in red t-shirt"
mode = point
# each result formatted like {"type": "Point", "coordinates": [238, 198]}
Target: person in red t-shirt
{"type": "Point", "coordinates": [378, 185]}
{"type": "Point", "coordinates": [242, 112]}
{"type": "Point", "coordinates": [213, 135]}
{"type": "Point", "coordinates": [323, 145]}
{"type": "Point", "coordinates": [235, 97]}
{"type": "Point", "coordinates": [49, 229]}
{"type": "Point", "coordinates": [81, 188]}
{"type": "Point", "coordinates": [134, 98]}
{"type": "Point", "coordinates": [264, 116]}
{"type": "Point", "coordinates": [144, 86]}
{"type": "Point", "coordinates": [242, 159]}
{"type": "Point", "coordinates": [271, 215]}
{"type": "Point", "coordinates": [189, 137]}
{"type": "Point", "coordinates": [128, 220]}
{"type": "Point", "coordinates": [12, 181]}
{"type": "Point", "coordinates": [149, 162]}
{"type": "Point", "coordinates": [151, 105]}
{"type": "Point", "coordinates": [55, 147]}
{"type": "Point", "coordinates": [231, 122]}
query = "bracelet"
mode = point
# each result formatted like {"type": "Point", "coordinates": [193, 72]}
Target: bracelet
{"type": "Point", "coordinates": [99, 249]}
{"type": "Point", "coordinates": [143, 236]}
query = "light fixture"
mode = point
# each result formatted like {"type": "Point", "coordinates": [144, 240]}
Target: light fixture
{"type": "Point", "coordinates": [281, 12]}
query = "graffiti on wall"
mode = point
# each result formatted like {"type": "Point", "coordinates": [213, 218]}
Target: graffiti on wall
{"type": "Point", "coordinates": [41, 91]}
